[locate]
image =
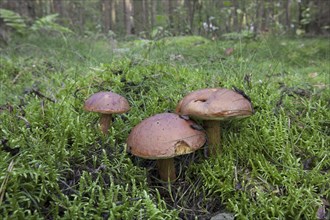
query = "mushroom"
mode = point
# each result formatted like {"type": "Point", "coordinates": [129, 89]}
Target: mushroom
{"type": "Point", "coordinates": [106, 103]}
{"type": "Point", "coordinates": [162, 137]}
{"type": "Point", "coordinates": [213, 105]}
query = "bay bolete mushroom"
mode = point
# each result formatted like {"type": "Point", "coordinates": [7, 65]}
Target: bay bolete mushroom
{"type": "Point", "coordinates": [106, 103]}
{"type": "Point", "coordinates": [162, 137]}
{"type": "Point", "coordinates": [213, 105]}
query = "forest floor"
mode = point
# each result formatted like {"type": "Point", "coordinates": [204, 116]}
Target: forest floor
{"type": "Point", "coordinates": [55, 163]}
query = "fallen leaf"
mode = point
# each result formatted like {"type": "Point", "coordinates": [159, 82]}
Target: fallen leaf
{"type": "Point", "coordinates": [320, 85]}
{"type": "Point", "coordinates": [313, 75]}
{"type": "Point", "coordinates": [229, 51]}
{"type": "Point", "coordinates": [223, 216]}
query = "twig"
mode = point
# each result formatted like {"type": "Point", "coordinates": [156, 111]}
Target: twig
{"type": "Point", "coordinates": [27, 123]}
{"type": "Point", "coordinates": [39, 94]}
{"type": "Point", "coordinates": [69, 188]}
{"type": "Point", "coordinates": [16, 77]}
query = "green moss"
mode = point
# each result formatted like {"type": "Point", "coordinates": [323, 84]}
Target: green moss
{"type": "Point", "coordinates": [275, 164]}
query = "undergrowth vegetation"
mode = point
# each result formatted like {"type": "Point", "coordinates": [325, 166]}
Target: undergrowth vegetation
{"type": "Point", "coordinates": [57, 164]}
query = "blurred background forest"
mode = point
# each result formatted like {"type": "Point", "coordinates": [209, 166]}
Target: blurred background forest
{"type": "Point", "coordinates": [159, 18]}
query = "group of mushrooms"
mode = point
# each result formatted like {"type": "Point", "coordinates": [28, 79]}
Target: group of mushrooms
{"type": "Point", "coordinates": [163, 136]}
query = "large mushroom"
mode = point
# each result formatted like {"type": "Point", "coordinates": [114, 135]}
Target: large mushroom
{"type": "Point", "coordinates": [106, 103]}
{"type": "Point", "coordinates": [162, 137]}
{"type": "Point", "coordinates": [213, 105]}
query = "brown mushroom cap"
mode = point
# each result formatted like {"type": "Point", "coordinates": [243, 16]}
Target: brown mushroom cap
{"type": "Point", "coordinates": [106, 103]}
{"type": "Point", "coordinates": [215, 104]}
{"type": "Point", "coordinates": [163, 136]}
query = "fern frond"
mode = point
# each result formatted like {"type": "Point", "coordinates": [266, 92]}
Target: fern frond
{"type": "Point", "coordinates": [13, 20]}
{"type": "Point", "coordinates": [48, 22]}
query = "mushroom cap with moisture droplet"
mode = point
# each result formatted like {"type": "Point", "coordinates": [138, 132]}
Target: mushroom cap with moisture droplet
{"type": "Point", "coordinates": [106, 103]}
{"type": "Point", "coordinates": [164, 135]}
{"type": "Point", "coordinates": [215, 104]}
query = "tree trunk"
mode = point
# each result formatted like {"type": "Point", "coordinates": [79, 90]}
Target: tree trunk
{"type": "Point", "coordinates": [10, 5]}
{"type": "Point", "coordinates": [129, 27]}
{"type": "Point", "coordinates": [170, 13]}
{"type": "Point", "coordinates": [235, 16]}
{"type": "Point", "coordinates": [228, 23]}
{"type": "Point", "coordinates": [153, 13]}
{"type": "Point", "coordinates": [146, 15]}
{"type": "Point", "coordinates": [40, 8]}
{"type": "Point", "coordinates": [58, 7]}
{"type": "Point", "coordinates": [264, 16]}
{"type": "Point", "coordinates": [81, 17]}
{"type": "Point", "coordinates": [287, 15]}
{"type": "Point", "coordinates": [32, 8]}
{"type": "Point", "coordinates": [24, 9]}
{"type": "Point", "coordinates": [243, 23]}
{"type": "Point", "coordinates": [191, 6]}
{"type": "Point", "coordinates": [138, 16]}
{"type": "Point", "coordinates": [319, 19]}
{"type": "Point", "coordinates": [106, 17]}
{"type": "Point", "coordinates": [113, 15]}
{"type": "Point", "coordinates": [200, 17]}
{"type": "Point", "coordinates": [257, 18]}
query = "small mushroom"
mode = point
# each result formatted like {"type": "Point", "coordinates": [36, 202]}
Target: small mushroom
{"type": "Point", "coordinates": [106, 103]}
{"type": "Point", "coordinates": [162, 137]}
{"type": "Point", "coordinates": [213, 105]}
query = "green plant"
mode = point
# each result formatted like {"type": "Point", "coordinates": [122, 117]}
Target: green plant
{"type": "Point", "coordinates": [46, 23]}
{"type": "Point", "coordinates": [13, 20]}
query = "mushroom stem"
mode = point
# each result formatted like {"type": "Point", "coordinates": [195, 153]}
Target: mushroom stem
{"type": "Point", "coordinates": [166, 169]}
{"type": "Point", "coordinates": [213, 132]}
{"type": "Point", "coordinates": [105, 123]}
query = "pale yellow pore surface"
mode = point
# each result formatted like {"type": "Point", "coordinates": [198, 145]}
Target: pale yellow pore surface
{"type": "Point", "coordinates": [181, 147]}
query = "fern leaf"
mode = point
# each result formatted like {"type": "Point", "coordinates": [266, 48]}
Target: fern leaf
{"type": "Point", "coordinates": [48, 22]}
{"type": "Point", "coordinates": [13, 20]}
